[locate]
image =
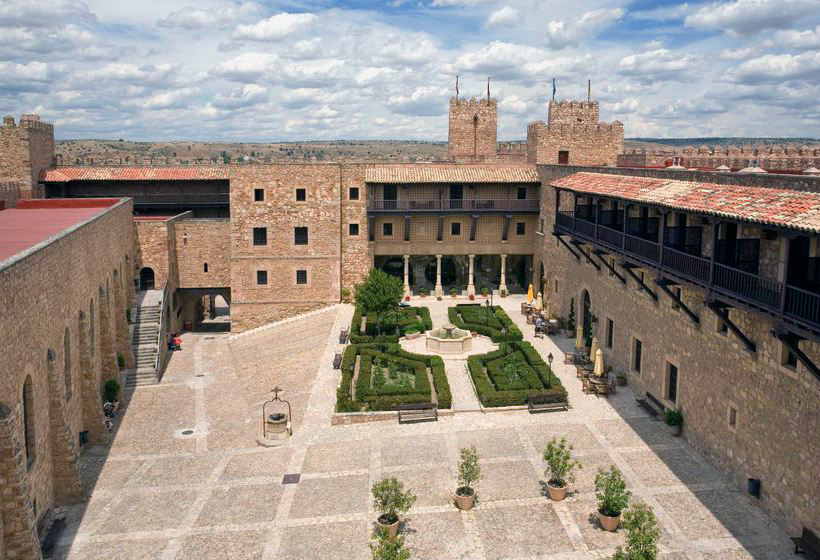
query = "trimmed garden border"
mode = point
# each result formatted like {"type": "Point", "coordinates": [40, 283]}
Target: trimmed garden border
{"type": "Point", "coordinates": [508, 331]}
{"type": "Point", "coordinates": [421, 319]}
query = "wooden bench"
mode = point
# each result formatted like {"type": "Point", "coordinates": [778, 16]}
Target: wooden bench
{"type": "Point", "coordinates": [421, 412]}
{"type": "Point", "coordinates": [337, 360]}
{"type": "Point", "coordinates": [48, 542]}
{"type": "Point", "coordinates": [808, 544]}
{"type": "Point", "coordinates": [651, 405]}
{"type": "Point", "coordinates": [544, 403]}
{"type": "Point", "coordinates": [343, 336]}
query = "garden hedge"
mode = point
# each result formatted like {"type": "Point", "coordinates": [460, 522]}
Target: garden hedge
{"type": "Point", "coordinates": [497, 325]}
{"type": "Point", "coordinates": [410, 318]}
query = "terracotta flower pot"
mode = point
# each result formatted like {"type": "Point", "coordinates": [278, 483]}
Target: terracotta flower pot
{"type": "Point", "coordinates": [609, 522]}
{"type": "Point", "coordinates": [674, 430]}
{"type": "Point", "coordinates": [465, 502]}
{"type": "Point", "coordinates": [391, 528]}
{"type": "Point", "coordinates": [556, 493]}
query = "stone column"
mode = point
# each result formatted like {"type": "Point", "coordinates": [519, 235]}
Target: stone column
{"type": "Point", "coordinates": [503, 284]}
{"type": "Point", "coordinates": [439, 289]}
{"type": "Point", "coordinates": [407, 275]}
{"type": "Point", "coordinates": [470, 280]}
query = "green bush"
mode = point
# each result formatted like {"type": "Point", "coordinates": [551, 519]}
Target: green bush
{"type": "Point", "coordinates": [391, 499]}
{"type": "Point", "coordinates": [394, 324]}
{"type": "Point", "coordinates": [111, 390]}
{"type": "Point", "coordinates": [610, 489]}
{"type": "Point", "coordinates": [492, 322]}
{"type": "Point", "coordinates": [642, 534]}
{"type": "Point", "coordinates": [385, 548]}
{"type": "Point", "coordinates": [560, 464]}
{"type": "Point", "coordinates": [120, 361]}
{"type": "Point", "coordinates": [469, 469]}
{"type": "Point", "coordinates": [673, 417]}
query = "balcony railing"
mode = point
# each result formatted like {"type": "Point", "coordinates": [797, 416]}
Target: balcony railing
{"type": "Point", "coordinates": [802, 304]}
{"type": "Point", "coordinates": [465, 205]}
{"type": "Point", "coordinates": [754, 287]}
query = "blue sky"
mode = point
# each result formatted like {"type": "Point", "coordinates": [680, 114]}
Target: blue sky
{"type": "Point", "coordinates": [268, 71]}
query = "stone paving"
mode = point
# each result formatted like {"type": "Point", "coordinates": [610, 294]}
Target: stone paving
{"type": "Point", "coordinates": [160, 494]}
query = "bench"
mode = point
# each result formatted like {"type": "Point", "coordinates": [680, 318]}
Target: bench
{"type": "Point", "coordinates": [651, 405]}
{"type": "Point", "coordinates": [48, 542]}
{"type": "Point", "coordinates": [808, 543]}
{"type": "Point", "coordinates": [544, 403]}
{"type": "Point", "coordinates": [337, 360]}
{"type": "Point", "coordinates": [421, 412]}
{"type": "Point", "coordinates": [343, 336]}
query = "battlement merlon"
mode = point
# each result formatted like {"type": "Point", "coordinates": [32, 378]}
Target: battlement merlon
{"type": "Point", "coordinates": [574, 111]}
{"type": "Point", "coordinates": [473, 102]}
{"type": "Point", "coordinates": [28, 121]}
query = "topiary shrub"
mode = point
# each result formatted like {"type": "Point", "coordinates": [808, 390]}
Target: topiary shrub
{"type": "Point", "coordinates": [560, 464]}
{"type": "Point", "coordinates": [111, 389]}
{"type": "Point", "coordinates": [642, 534]}
{"type": "Point", "coordinates": [610, 489]}
{"type": "Point", "coordinates": [469, 471]}
{"type": "Point", "coordinates": [390, 499]}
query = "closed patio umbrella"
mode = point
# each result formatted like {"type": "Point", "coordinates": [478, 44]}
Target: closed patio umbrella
{"type": "Point", "coordinates": [579, 338]}
{"type": "Point", "coordinates": [599, 363]}
{"type": "Point", "coordinates": [529, 294]}
{"type": "Point", "coordinates": [593, 348]}
{"type": "Point", "coordinates": [539, 303]}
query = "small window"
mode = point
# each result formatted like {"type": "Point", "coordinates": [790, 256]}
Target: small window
{"type": "Point", "coordinates": [541, 226]}
{"type": "Point", "coordinates": [354, 193]}
{"type": "Point", "coordinates": [205, 267]}
{"type": "Point", "coordinates": [260, 236]}
{"type": "Point", "coordinates": [301, 195]}
{"type": "Point", "coordinates": [556, 285]}
{"type": "Point", "coordinates": [722, 327]}
{"type": "Point", "coordinates": [563, 157]}
{"type": "Point", "coordinates": [261, 277]}
{"type": "Point", "coordinates": [301, 276]}
{"type": "Point", "coordinates": [520, 228]}
{"type": "Point", "coordinates": [28, 421]}
{"type": "Point", "coordinates": [258, 195]}
{"type": "Point", "coordinates": [387, 229]}
{"type": "Point", "coordinates": [455, 228]}
{"type": "Point", "coordinates": [787, 357]}
{"type": "Point", "coordinates": [671, 382]}
{"type": "Point", "coordinates": [353, 229]}
{"type": "Point", "coordinates": [677, 293]}
{"type": "Point", "coordinates": [732, 417]}
{"type": "Point", "coordinates": [522, 193]}
{"type": "Point", "coordinates": [637, 351]}
{"type": "Point", "coordinates": [610, 332]}
{"type": "Point", "coordinates": [300, 235]}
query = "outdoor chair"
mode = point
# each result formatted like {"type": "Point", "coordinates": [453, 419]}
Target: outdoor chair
{"type": "Point", "coordinates": [601, 389]}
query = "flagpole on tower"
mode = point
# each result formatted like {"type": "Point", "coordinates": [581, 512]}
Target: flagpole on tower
{"type": "Point", "coordinates": [553, 89]}
{"type": "Point", "coordinates": [456, 86]}
{"type": "Point", "coordinates": [488, 89]}
{"type": "Point", "coordinates": [589, 90]}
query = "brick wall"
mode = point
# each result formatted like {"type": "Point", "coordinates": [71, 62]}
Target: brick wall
{"type": "Point", "coordinates": [473, 126]}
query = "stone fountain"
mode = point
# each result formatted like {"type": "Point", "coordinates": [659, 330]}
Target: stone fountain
{"type": "Point", "coordinates": [447, 339]}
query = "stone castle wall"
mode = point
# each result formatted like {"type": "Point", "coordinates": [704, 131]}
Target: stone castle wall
{"type": "Point", "coordinates": [777, 157]}
{"type": "Point", "coordinates": [9, 193]}
{"type": "Point", "coordinates": [586, 144]}
{"type": "Point", "coordinates": [86, 316]}
{"type": "Point", "coordinates": [573, 112]}
{"type": "Point", "coordinates": [25, 150]}
{"type": "Point", "coordinates": [473, 129]}
{"type": "Point", "coordinates": [199, 242]}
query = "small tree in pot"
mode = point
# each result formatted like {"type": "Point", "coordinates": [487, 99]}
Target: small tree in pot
{"type": "Point", "coordinates": [613, 497]}
{"type": "Point", "coordinates": [385, 547]}
{"type": "Point", "coordinates": [469, 472]}
{"type": "Point", "coordinates": [453, 292]}
{"type": "Point", "coordinates": [560, 464]}
{"type": "Point", "coordinates": [642, 534]}
{"type": "Point", "coordinates": [674, 421]}
{"type": "Point", "coordinates": [390, 499]}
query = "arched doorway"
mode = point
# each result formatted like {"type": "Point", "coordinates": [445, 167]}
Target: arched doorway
{"type": "Point", "coordinates": [146, 278]}
{"type": "Point", "coordinates": [587, 319]}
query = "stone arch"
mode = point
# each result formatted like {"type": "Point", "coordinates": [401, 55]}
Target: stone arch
{"type": "Point", "coordinates": [146, 278]}
{"type": "Point", "coordinates": [67, 370]}
{"type": "Point", "coordinates": [27, 409]}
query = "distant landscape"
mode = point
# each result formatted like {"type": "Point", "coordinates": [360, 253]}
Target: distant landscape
{"type": "Point", "coordinates": [75, 152]}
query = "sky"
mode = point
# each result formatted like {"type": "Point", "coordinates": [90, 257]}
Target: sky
{"type": "Point", "coordinates": [260, 71]}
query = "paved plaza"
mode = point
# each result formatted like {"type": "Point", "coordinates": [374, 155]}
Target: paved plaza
{"type": "Point", "coordinates": [186, 479]}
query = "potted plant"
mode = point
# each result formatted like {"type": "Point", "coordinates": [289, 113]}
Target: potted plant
{"type": "Point", "coordinates": [384, 547]}
{"type": "Point", "coordinates": [472, 297]}
{"type": "Point", "coordinates": [120, 360]}
{"type": "Point", "coordinates": [412, 332]}
{"type": "Point", "coordinates": [469, 472]}
{"type": "Point", "coordinates": [484, 291]}
{"type": "Point", "coordinates": [503, 293]}
{"type": "Point", "coordinates": [346, 295]}
{"type": "Point", "coordinates": [453, 292]}
{"type": "Point", "coordinates": [642, 534]}
{"type": "Point", "coordinates": [438, 298]}
{"type": "Point", "coordinates": [613, 497]}
{"type": "Point", "coordinates": [390, 499]}
{"type": "Point", "coordinates": [674, 421]}
{"type": "Point", "coordinates": [422, 292]}
{"type": "Point", "coordinates": [560, 464]}
{"type": "Point", "coordinates": [407, 297]}
{"type": "Point", "coordinates": [569, 328]}
{"type": "Point", "coordinates": [128, 314]}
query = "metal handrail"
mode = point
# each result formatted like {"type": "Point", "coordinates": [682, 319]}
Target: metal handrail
{"type": "Point", "coordinates": [750, 285]}
{"type": "Point", "coordinates": [468, 204]}
{"type": "Point", "coordinates": [160, 337]}
{"type": "Point", "coordinates": [802, 304]}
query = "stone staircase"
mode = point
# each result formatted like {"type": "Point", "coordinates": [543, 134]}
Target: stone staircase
{"type": "Point", "coordinates": [145, 321]}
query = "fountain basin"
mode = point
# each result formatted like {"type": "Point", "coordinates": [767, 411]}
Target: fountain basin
{"type": "Point", "coordinates": [447, 339]}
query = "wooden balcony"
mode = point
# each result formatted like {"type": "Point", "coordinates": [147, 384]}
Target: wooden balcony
{"type": "Point", "coordinates": [480, 205]}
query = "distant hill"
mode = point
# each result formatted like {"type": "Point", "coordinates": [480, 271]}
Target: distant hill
{"type": "Point", "coordinates": [722, 141]}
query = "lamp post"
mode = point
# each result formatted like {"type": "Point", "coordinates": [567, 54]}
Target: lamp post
{"type": "Point", "coordinates": [549, 360]}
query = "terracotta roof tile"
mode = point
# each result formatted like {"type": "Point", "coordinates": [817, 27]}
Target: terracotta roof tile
{"type": "Point", "coordinates": [141, 173]}
{"type": "Point", "coordinates": [770, 206]}
{"type": "Point", "coordinates": [438, 173]}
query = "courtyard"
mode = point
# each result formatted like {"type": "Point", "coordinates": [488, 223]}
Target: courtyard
{"type": "Point", "coordinates": [185, 478]}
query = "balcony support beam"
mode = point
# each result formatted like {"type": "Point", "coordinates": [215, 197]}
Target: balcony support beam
{"type": "Point", "coordinates": [586, 255]}
{"type": "Point", "coordinates": [790, 341]}
{"type": "Point", "coordinates": [561, 240]}
{"type": "Point", "coordinates": [719, 308]}
{"type": "Point", "coordinates": [663, 284]}
{"type": "Point", "coordinates": [642, 285]}
{"type": "Point", "coordinates": [600, 254]}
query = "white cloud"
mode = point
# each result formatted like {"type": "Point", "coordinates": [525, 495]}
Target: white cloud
{"type": "Point", "coordinates": [198, 18]}
{"type": "Point", "coordinates": [275, 28]}
{"type": "Point", "coordinates": [422, 102]}
{"type": "Point", "coordinates": [809, 39]}
{"type": "Point", "coordinates": [777, 68]}
{"type": "Point", "coordinates": [245, 96]}
{"type": "Point", "coordinates": [745, 17]}
{"type": "Point", "coordinates": [659, 65]}
{"type": "Point", "coordinates": [24, 77]}
{"type": "Point", "coordinates": [175, 99]}
{"type": "Point", "coordinates": [247, 67]}
{"type": "Point", "coordinates": [625, 106]}
{"type": "Point", "coordinates": [736, 54]}
{"type": "Point", "coordinates": [460, 3]}
{"type": "Point", "coordinates": [560, 34]}
{"type": "Point", "coordinates": [40, 13]}
{"type": "Point", "coordinates": [510, 61]}
{"type": "Point", "coordinates": [503, 17]}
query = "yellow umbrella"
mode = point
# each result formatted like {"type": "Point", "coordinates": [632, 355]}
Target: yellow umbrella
{"type": "Point", "coordinates": [529, 294]}
{"type": "Point", "coordinates": [593, 348]}
{"type": "Point", "coordinates": [539, 303]}
{"type": "Point", "coordinates": [579, 337]}
{"type": "Point", "coordinates": [599, 363]}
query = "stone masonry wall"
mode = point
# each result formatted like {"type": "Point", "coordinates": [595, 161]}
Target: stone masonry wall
{"type": "Point", "coordinates": [151, 248]}
{"type": "Point", "coordinates": [357, 255]}
{"type": "Point", "coordinates": [473, 129]}
{"type": "Point", "coordinates": [53, 293]}
{"type": "Point", "coordinates": [587, 144]}
{"type": "Point", "coordinates": [201, 241]}
{"type": "Point", "coordinates": [9, 193]}
{"type": "Point", "coordinates": [25, 150]}
{"type": "Point", "coordinates": [572, 112]}
{"type": "Point", "coordinates": [777, 434]}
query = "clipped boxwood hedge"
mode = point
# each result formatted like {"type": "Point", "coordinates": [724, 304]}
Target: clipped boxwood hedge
{"type": "Point", "coordinates": [485, 370]}
{"type": "Point", "coordinates": [410, 319]}
{"type": "Point", "coordinates": [368, 399]}
{"type": "Point", "coordinates": [473, 317]}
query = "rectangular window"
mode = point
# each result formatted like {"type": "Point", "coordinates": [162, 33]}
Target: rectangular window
{"type": "Point", "coordinates": [205, 267]}
{"type": "Point", "coordinates": [671, 382]}
{"type": "Point", "coordinates": [353, 194]}
{"type": "Point", "coordinates": [787, 358]}
{"type": "Point", "coordinates": [258, 195]}
{"type": "Point", "coordinates": [521, 194]}
{"type": "Point", "coordinates": [520, 228]}
{"type": "Point", "coordinates": [301, 195]}
{"type": "Point", "coordinates": [732, 417]}
{"type": "Point", "coordinates": [260, 236]}
{"type": "Point", "coordinates": [610, 332]}
{"type": "Point", "coordinates": [301, 276]}
{"type": "Point", "coordinates": [563, 157]}
{"type": "Point", "coordinates": [455, 228]}
{"type": "Point", "coordinates": [300, 235]}
{"type": "Point", "coordinates": [541, 226]}
{"type": "Point", "coordinates": [636, 355]}
{"type": "Point", "coordinates": [261, 277]}
{"type": "Point", "coordinates": [387, 229]}
{"type": "Point", "coordinates": [722, 327]}
{"type": "Point", "coordinates": [353, 229]}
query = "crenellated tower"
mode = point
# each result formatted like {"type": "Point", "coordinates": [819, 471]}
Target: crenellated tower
{"type": "Point", "coordinates": [26, 149]}
{"type": "Point", "coordinates": [473, 129]}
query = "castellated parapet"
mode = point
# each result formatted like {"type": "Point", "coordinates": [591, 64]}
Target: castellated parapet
{"type": "Point", "coordinates": [25, 150]}
{"type": "Point", "coordinates": [473, 129]}
{"type": "Point", "coordinates": [573, 135]}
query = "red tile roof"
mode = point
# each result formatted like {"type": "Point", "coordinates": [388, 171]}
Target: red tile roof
{"type": "Point", "coordinates": [449, 173]}
{"type": "Point", "coordinates": [770, 206]}
{"type": "Point", "coordinates": [142, 173]}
